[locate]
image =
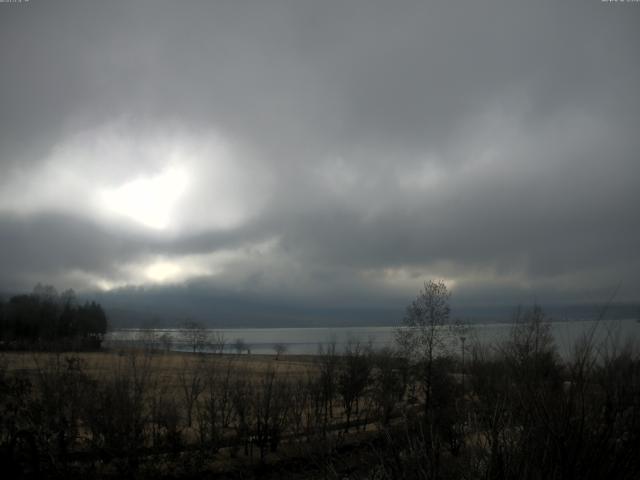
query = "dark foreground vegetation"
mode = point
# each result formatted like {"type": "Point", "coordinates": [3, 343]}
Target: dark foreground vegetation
{"type": "Point", "coordinates": [430, 409]}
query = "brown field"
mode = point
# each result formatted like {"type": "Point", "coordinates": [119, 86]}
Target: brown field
{"type": "Point", "coordinates": [167, 366]}
{"type": "Point", "coordinates": [99, 362]}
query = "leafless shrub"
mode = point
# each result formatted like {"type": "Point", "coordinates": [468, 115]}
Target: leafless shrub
{"type": "Point", "coordinates": [354, 378]}
{"type": "Point", "coordinates": [215, 411]}
{"type": "Point", "coordinates": [327, 362]}
{"type": "Point", "coordinates": [389, 382]}
{"type": "Point", "coordinates": [51, 409]}
{"type": "Point", "coordinates": [301, 408]}
{"type": "Point", "coordinates": [192, 383]}
{"type": "Point", "coordinates": [271, 404]}
{"type": "Point", "coordinates": [217, 341]}
{"type": "Point", "coordinates": [240, 346]}
{"type": "Point", "coordinates": [116, 412]}
{"type": "Point", "coordinates": [165, 422]}
{"type": "Point", "coordinates": [280, 349]}
{"type": "Point", "coordinates": [18, 449]}
{"type": "Point", "coordinates": [241, 393]}
{"type": "Point", "coordinates": [166, 342]}
{"type": "Point", "coordinates": [194, 335]}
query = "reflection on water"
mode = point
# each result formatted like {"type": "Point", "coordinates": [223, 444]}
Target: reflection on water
{"type": "Point", "coordinates": [307, 340]}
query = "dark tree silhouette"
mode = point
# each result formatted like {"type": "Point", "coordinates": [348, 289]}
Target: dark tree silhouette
{"type": "Point", "coordinates": [48, 319]}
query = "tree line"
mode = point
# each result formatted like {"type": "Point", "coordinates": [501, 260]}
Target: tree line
{"type": "Point", "coordinates": [45, 319]}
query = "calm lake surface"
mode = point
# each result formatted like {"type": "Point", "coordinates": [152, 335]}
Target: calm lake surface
{"type": "Point", "coordinates": [308, 340]}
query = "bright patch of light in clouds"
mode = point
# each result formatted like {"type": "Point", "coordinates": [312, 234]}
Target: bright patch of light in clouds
{"type": "Point", "coordinates": [161, 271]}
{"type": "Point", "coordinates": [164, 180]}
{"type": "Point", "coordinates": [150, 201]}
{"type": "Point", "coordinates": [404, 279]}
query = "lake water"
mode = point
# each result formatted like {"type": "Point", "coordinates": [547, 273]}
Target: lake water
{"type": "Point", "coordinates": [307, 340]}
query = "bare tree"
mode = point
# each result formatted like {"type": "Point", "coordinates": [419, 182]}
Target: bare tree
{"type": "Point", "coordinates": [422, 336]}
{"type": "Point", "coordinates": [423, 340]}
{"type": "Point", "coordinates": [117, 413]}
{"type": "Point", "coordinates": [216, 410]}
{"type": "Point", "coordinates": [147, 339]}
{"type": "Point", "coordinates": [280, 349]}
{"type": "Point", "coordinates": [239, 346]}
{"type": "Point", "coordinates": [166, 341]}
{"type": "Point", "coordinates": [242, 391]}
{"type": "Point", "coordinates": [192, 384]}
{"type": "Point", "coordinates": [271, 403]}
{"type": "Point", "coordinates": [194, 335]}
{"type": "Point", "coordinates": [301, 406]}
{"type": "Point", "coordinates": [60, 386]}
{"type": "Point", "coordinates": [165, 426]}
{"type": "Point", "coordinates": [390, 382]}
{"type": "Point", "coordinates": [217, 341]}
{"type": "Point", "coordinates": [327, 362]}
{"type": "Point", "coordinates": [354, 377]}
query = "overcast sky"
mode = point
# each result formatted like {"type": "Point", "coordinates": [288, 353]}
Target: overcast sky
{"type": "Point", "coordinates": [319, 152]}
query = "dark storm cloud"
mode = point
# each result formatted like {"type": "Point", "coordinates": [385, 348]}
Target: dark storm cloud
{"type": "Point", "coordinates": [375, 144]}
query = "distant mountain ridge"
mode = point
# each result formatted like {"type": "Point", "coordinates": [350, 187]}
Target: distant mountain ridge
{"type": "Point", "coordinates": [168, 309]}
{"type": "Point", "coordinates": [159, 307]}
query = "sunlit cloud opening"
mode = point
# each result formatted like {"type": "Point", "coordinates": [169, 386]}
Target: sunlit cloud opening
{"type": "Point", "coordinates": [407, 280]}
{"type": "Point", "coordinates": [166, 270]}
{"type": "Point", "coordinates": [149, 201]}
{"type": "Point", "coordinates": [161, 271]}
{"type": "Point", "coordinates": [164, 181]}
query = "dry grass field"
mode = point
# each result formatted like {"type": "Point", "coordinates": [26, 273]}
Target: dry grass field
{"type": "Point", "coordinates": [169, 364]}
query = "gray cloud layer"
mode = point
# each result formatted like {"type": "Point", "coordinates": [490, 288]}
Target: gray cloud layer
{"type": "Point", "coordinates": [333, 150]}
